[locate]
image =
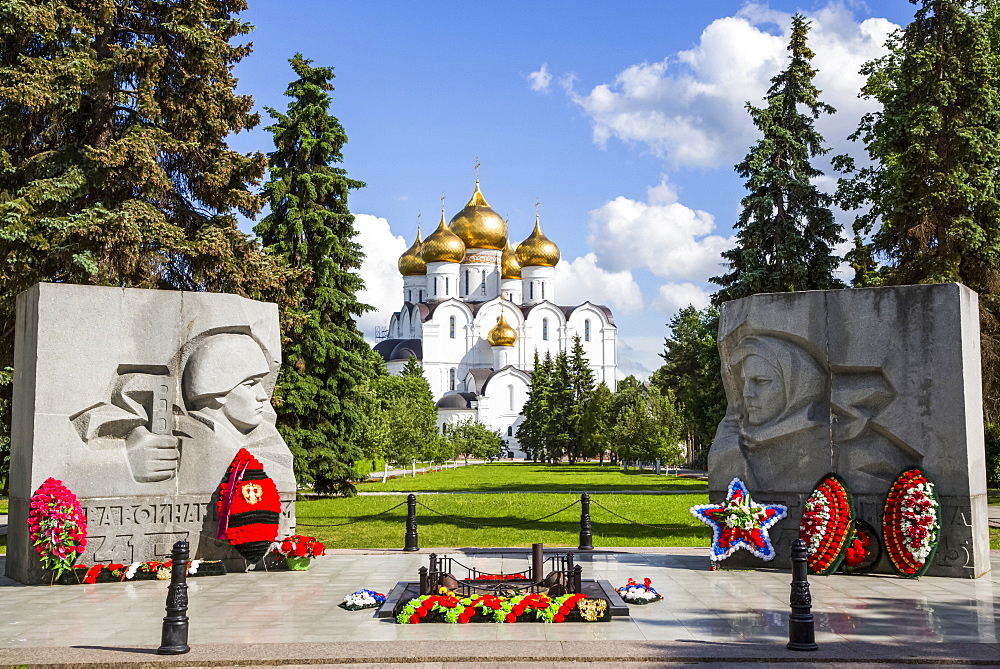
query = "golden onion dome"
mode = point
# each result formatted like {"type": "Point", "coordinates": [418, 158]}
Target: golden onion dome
{"type": "Point", "coordinates": [478, 225]}
{"type": "Point", "coordinates": [509, 267]}
{"type": "Point", "coordinates": [537, 250]}
{"type": "Point", "coordinates": [502, 334]}
{"type": "Point", "coordinates": [411, 263]}
{"type": "Point", "coordinates": [443, 245]}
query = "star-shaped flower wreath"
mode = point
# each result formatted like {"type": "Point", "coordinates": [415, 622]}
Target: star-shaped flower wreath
{"type": "Point", "coordinates": [739, 522]}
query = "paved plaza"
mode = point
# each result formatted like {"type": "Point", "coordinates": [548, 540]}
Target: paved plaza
{"type": "Point", "coordinates": [267, 618]}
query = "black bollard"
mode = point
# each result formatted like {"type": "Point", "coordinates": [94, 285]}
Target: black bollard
{"type": "Point", "coordinates": [175, 624]}
{"type": "Point", "coordinates": [537, 563]}
{"type": "Point", "coordinates": [424, 587]}
{"type": "Point", "coordinates": [586, 536]}
{"type": "Point", "coordinates": [801, 628]}
{"type": "Point", "coordinates": [411, 524]}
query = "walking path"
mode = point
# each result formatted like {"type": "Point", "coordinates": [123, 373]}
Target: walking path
{"type": "Point", "coordinates": [292, 618]}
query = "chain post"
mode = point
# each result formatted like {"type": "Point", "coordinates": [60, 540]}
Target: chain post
{"type": "Point", "coordinates": [174, 638]}
{"type": "Point", "coordinates": [411, 544]}
{"type": "Point", "coordinates": [801, 627]}
{"type": "Point", "coordinates": [586, 535]}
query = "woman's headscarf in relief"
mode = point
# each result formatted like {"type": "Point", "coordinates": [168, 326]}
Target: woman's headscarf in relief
{"type": "Point", "coordinates": [803, 378]}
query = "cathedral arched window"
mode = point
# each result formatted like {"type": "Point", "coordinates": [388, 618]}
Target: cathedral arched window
{"type": "Point", "coordinates": [531, 290]}
{"type": "Point", "coordinates": [435, 286]}
{"type": "Point", "coordinates": [421, 296]}
{"type": "Point", "coordinates": [545, 329]}
{"type": "Point", "coordinates": [451, 327]}
{"type": "Point", "coordinates": [467, 273]}
{"type": "Point", "coordinates": [510, 430]}
{"type": "Point", "coordinates": [543, 290]}
{"type": "Point", "coordinates": [483, 287]}
{"type": "Point", "coordinates": [586, 330]}
{"type": "Point", "coordinates": [409, 296]}
{"type": "Point", "coordinates": [447, 288]}
{"type": "Point", "coordinates": [451, 379]}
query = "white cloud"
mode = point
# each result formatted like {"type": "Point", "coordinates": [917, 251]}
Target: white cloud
{"type": "Point", "coordinates": [663, 235]}
{"type": "Point", "coordinates": [689, 107]}
{"type": "Point", "coordinates": [581, 280]}
{"type": "Point", "coordinates": [383, 283]}
{"type": "Point", "coordinates": [541, 79]}
{"type": "Point", "coordinates": [673, 297]}
{"type": "Point", "coordinates": [639, 356]}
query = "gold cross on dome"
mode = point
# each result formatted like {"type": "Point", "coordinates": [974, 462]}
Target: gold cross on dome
{"type": "Point", "coordinates": [477, 170]}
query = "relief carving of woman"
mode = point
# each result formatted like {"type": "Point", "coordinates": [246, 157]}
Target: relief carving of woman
{"type": "Point", "coordinates": [778, 416]}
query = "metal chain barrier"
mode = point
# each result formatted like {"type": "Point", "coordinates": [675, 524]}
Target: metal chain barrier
{"type": "Point", "coordinates": [634, 522]}
{"type": "Point", "coordinates": [480, 525]}
{"type": "Point", "coordinates": [356, 520]}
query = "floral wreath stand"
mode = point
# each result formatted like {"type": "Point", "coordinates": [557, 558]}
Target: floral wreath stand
{"type": "Point", "coordinates": [739, 522]}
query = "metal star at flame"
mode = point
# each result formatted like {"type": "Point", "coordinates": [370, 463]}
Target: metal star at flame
{"type": "Point", "coordinates": [739, 522]}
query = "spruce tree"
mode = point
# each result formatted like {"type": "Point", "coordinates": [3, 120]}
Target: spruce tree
{"type": "Point", "coordinates": [933, 191]}
{"type": "Point", "coordinates": [530, 433]}
{"type": "Point", "coordinates": [311, 228]}
{"type": "Point", "coordinates": [786, 229]}
{"type": "Point", "coordinates": [581, 380]}
{"type": "Point", "coordinates": [558, 431]}
{"type": "Point", "coordinates": [114, 166]}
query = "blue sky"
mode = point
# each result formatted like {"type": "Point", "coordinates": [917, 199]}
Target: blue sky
{"type": "Point", "coordinates": [624, 122]}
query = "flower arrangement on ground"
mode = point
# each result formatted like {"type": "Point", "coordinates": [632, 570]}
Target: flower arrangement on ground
{"type": "Point", "coordinates": [863, 550]}
{"type": "Point", "coordinates": [362, 599]}
{"type": "Point", "coordinates": [534, 607]}
{"type": "Point", "coordinates": [911, 524]}
{"type": "Point", "coordinates": [57, 526]}
{"type": "Point", "coordinates": [299, 545]}
{"type": "Point", "coordinates": [500, 577]}
{"type": "Point", "coordinates": [639, 593]}
{"type": "Point", "coordinates": [739, 522]}
{"type": "Point", "coordinates": [138, 571]}
{"type": "Point", "coordinates": [827, 523]}
{"type": "Point", "coordinates": [298, 550]}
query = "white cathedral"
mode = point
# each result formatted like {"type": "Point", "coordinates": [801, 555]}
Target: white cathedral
{"type": "Point", "coordinates": [475, 311]}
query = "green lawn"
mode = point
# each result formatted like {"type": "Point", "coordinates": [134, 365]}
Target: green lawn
{"type": "Point", "coordinates": [516, 476]}
{"type": "Point", "coordinates": [670, 511]}
{"type": "Point", "coordinates": [3, 507]}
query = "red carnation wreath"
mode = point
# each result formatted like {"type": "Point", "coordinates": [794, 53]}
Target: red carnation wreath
{"type": "Point", "coordinates": [911, 524]}
{"type": "Point", "coordinates": [249, 507]}
{"type": "Point", "coordinates": [864, 550]}
{"type": "Point", "coordinates": [827, 523]}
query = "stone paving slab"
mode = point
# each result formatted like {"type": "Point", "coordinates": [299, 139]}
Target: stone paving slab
{"type": "Point", "coordinates": [433, 653]}
{"type": "Point", "coordinates": [292, 617]}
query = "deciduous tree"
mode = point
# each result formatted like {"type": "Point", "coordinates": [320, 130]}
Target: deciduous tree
{"type": "Point", "coordinates": [691, 371]}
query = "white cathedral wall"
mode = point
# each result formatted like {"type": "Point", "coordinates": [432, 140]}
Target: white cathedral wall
{"type": "Point", "coordinates": [535, 329]}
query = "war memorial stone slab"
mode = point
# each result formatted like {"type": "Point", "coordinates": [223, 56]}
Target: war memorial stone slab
{"type": "Point", "coordinates": [138, 400]}
{"type": "Point", "coordinates": [864, 383]}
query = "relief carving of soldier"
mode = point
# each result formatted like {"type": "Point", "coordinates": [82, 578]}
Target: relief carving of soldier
{"type": "Point", "coordinates": [225, 408]}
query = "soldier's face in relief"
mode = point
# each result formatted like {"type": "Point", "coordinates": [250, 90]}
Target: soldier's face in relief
{"type": "Point", "coordinates": [244, 404]}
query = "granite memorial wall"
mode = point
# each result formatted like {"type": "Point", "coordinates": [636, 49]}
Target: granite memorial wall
{"type": "Point", "coordinates": [138, 400]}
{"type": "Point", "coordinates": [864, 383]}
